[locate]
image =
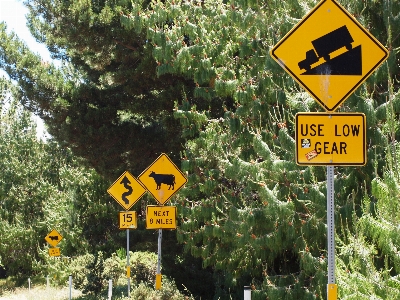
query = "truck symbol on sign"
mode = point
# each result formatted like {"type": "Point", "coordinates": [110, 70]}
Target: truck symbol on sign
{"type": "Point", "coordinates": [348, 63]}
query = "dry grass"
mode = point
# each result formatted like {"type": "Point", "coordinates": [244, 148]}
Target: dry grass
{"type": "Point", "coordinates": [40, 293]}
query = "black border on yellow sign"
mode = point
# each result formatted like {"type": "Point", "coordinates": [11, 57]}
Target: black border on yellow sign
{"type": "Point", "coordinates": [137, 196]}
{"type": "Point", "coordinates": [293, 30]}
{"type": "Point", "coordinates": [173, 208]}
{"type": "Point", "coordinates": [52, 242]}
{"type": "Point", "coordinates": [335, 115]}
{"type": "Point", "coordinates": [151, 191]}
{"type": "Point", "coordinates": [54, 252]}
{"type": "Point", "coordinates": [134, 223]}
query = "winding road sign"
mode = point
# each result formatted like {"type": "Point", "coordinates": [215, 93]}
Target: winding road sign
{"type": "Point", "coordinates": [329, 53]}
{"type": "Point", "coordinates": [126, 190]}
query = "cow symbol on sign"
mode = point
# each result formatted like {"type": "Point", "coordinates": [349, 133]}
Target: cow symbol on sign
{"type": "Point", "coordinates": [168, 179]}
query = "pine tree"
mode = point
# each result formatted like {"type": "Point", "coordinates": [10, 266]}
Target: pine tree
{"type": "Point", "coordinates": [248, 211]}
{"type": "Point", "coordinates": [44, 186]}
{"type": "Point", "coordinates": [105, 101]}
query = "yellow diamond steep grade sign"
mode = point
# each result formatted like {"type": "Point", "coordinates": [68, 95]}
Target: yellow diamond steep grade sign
{"type": "Point", "coordinates": [329, 53]}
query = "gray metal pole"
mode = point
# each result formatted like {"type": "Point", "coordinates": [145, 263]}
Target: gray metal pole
{"type": "Point", "coordinates": [127, 262]}
{"type": "Point", "coordinates": [109, 289]}
{"type": "Point", "coordinates": [158, 275]}
{"type": "Point", "coordinates": [70, 287]}
{"type": "Point", "coordinates": [247, 293]}
{"type": "Point", "coordinates": [331, 286]}
{"type": "Point", "coordinates": [159, 251]}
{"type": "Point", "coordinates": [331, 224]}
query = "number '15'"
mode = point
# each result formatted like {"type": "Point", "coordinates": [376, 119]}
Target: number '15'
{"type": "Point", "coordinates": [127, 218]}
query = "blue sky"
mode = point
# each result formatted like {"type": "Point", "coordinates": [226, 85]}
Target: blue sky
{"type": "Point", "coordinates": [13, 12]}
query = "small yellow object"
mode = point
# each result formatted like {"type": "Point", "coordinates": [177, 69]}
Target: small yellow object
{"type": "Point", "coordinates": [332, 291]}
{"type": "Point", "coordinates": [158, 281]}
{"type": "Point", "coordinates": [128, 271]}
{"type": "Point", "coordinates": [160, 217]}
{"type": "Point", "coordinates": [127, 219]}
{"type": "Point", "coordinates": [54, 251]}
{"type": "Point", "coordinates": [53, 238]}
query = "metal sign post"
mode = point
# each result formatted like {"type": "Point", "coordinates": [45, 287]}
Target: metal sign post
{"type": "Point", "coordinates": [331, 287]}
{"type": "Point", "coordinates": [330, 54]}
{"type": "Point", "coordinates": [158, 275]}
{"type": "Point", "coordinates": [127, 190]}
{"type": "Point", "coordinates": [162, 179]}
{"type": "Point", "coordinates": [128, 268]}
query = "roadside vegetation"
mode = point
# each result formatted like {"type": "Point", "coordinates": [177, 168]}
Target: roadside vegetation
{"type": "Point", "coordinates": [194, 80]}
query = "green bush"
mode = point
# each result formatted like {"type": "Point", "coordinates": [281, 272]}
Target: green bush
{"type": "Point", "coordinates": [168, 291]}
{"type": "Point", "coordinates": [79, 271]}
{"type": "Point", "coordinates": [143, 266]}
{"type": "Point", "coordinates": [114, 268]}
{"type": "Point", "coordinates": [57, 268]}
{"type": "Point", "coordinates": [95, 276]}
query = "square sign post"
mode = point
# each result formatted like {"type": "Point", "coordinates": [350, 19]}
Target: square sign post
{"type": "Point", "coordinates": [127, 190]}
{"type": "Point", "coordinates": [162, 179]}
{"type": "Point", "coordinates": [330, 54]}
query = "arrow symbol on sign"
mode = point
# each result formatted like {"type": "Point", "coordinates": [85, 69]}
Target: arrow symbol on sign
{"type": "Point", "coordinates": [125, 181]}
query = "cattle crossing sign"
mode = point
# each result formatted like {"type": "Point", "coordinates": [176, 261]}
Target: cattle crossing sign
{"type": "Point", "coordinates": [162, 179]}
{"type": "Point", "coordinates": [329, 53]}
{"type": "Point", "coordinates": [126, 190]}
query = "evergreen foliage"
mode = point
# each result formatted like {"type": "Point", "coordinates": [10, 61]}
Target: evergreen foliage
{"type": "Point", "coordinates": [248, 211]}
{"type": "Point", "coordinates": [105, 101]}
{"type": "Point", "coordinates": [44, 186]}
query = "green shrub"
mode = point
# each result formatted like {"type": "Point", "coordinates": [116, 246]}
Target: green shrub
{"type": "Point", "coordinates": [95, 276]}
{"type": "Point", "coordinates": [143, 266]}
{"type": "Point", "coordinates": [114, 268]}
{"type": "Point", "coordinates": [57, 268]}
{"type": "Point", "coordinates": [168, 291]}
{"type": "Point", "coordinates": [79, 271]}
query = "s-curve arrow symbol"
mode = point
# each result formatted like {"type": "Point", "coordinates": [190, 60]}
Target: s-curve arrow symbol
{"type": "Point", "coordinates": [125, 181]}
